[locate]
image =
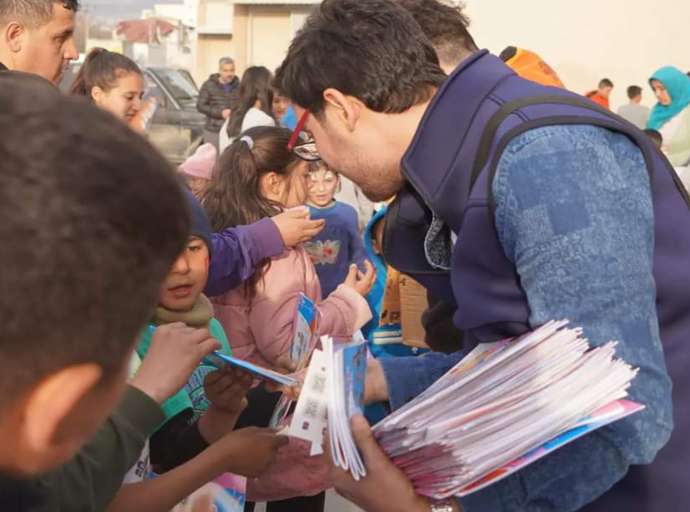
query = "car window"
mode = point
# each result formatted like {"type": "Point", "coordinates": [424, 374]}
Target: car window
{"type": "Point", "coordinates": [177, 84]}
{"type": "Point", "coordinates": [153, 90]}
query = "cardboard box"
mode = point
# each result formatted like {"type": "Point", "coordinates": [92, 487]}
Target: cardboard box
{"type": "Point", "coordinates": [413, 302]}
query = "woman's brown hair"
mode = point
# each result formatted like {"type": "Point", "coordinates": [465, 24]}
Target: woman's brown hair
{"type": "Point", "coordinates": [102, 68]}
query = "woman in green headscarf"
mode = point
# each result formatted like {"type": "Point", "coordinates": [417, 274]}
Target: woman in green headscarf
{"type": "Point", "coordinates": [671, 115]}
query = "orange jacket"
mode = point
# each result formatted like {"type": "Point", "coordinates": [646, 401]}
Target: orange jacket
{"type": "Point", "coordinates": [598, 99]}
{"type": "Point", "coordinates": [531, 66]}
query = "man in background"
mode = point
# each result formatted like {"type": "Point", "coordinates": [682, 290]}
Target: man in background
{"type": "Point", "coordinates": [37, 36]}
{"type": "Point", "coordinates": [603, 94]}
{"type": "Point", "coordinates": [217, 98]}
{"type": "Point", "coordinates": [634, 111]}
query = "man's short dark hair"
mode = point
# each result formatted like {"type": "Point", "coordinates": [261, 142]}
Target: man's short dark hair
{"type": "Point", "coordinates": [34, 13]}
{"type": "Point", "coordinates": [92, 219]}
{"type": "Point", "coordinates": [370, 49]}
{"type": "Point", "coordinates": [605, 82]}
{"type": "Point", "coordinates": [634, 91]}
{"type": "Point", "coordinates": [445, 25]}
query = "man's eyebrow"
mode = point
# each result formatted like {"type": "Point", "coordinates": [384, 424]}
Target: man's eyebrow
{"type": "Point", "coordinates": [65, 33]}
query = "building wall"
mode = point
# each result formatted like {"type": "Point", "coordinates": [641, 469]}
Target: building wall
{"type": "Point", "coordinates": [258, 35]}
{"type": "Point", "coordinates": [624, 40]}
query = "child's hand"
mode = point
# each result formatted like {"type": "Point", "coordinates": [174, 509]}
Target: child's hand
{"type": "Point", "coordinates": [296, 227]}
{"type": "Point", "coordinates": [227, 389]}
{"type": "Point", "coordinates": [250, 451]}
{"type": "Point", "coordinates": [360, 281]}
{"type": "Point", "coordinates": [175, 351]}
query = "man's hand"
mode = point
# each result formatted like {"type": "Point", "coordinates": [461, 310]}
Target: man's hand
{"type": "Point", "coordinates": [360, 281]}
{"type": "Point", "coordinates": [385, 488]}
{"type": "Point", "coordinates": [175, 351]}
{"type": "Point", "coordinates": [227, 389]}
{"type": "Point", "coordinates": [296, 227]}
{"type": "Point", "coordinates": [250, 451]}
{"type": "Point", "coordinates": [226, 113]}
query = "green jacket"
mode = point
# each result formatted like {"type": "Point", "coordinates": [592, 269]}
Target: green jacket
{"type": "Point", "coordinates": [192, 395]}
{"type": "Point", "coordinates": [90, 481]}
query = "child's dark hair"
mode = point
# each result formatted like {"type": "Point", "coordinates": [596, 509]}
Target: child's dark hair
{"type": "Point", "coordinates": [255, 86]}
{"type": "Point", "coordinates": [93, 218]}
{"type": "Point", "coordinates": [102, 68]}
{"type": "Point", "coordinates": [234, 195]}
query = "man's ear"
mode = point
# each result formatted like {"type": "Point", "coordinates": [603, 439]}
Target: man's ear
{"type": "Point", "coordinates": [347, 109]}
{"type": "Point", "coordinates": [14, 36]}
{"type": "Point", "coordinates": [48, 408]}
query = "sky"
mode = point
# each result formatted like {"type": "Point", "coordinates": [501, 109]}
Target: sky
{"type": "Point", "coordinates": [115, 10]}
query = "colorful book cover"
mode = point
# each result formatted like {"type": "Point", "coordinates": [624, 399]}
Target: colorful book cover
{"type": "Point", "coordinates": [606, 415]}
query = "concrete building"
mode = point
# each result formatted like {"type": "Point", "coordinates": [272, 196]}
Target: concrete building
{"type": "Point", "coordinates": [253, 32]}
{"type": "Point", "coordinates": [624, 40]}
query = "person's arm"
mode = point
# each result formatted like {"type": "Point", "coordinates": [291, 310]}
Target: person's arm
{"type": "Point", "coordinates": [237, 251]}
{"type": "Point", "coordinates": [178, 441]}
{"type": "Point", "coordinates": [90, 480]}
{"type": "Point", "coordinates": [574, 213]}
{"type": "Point", "coordinates": [246, 452]}
{"type": "Point", "coordinates": [205, 105]}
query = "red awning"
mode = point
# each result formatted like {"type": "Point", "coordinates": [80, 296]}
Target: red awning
{"type": "Point", "coordinates": [144, 31]}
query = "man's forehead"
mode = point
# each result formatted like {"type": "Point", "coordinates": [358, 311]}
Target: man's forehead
{"type": "Point", "coordinates": [63, 18]}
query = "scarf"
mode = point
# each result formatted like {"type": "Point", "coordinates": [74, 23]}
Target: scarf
{"type": "Point", "coordinates": [677, 84]}
{"type": "Point", "coordinates": [199, 316]}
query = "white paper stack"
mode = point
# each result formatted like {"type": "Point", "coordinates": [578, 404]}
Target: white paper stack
{"type": "Point", "coordinates": [346, 367]}
{"type": "Point", "coordinates": [502, 407]}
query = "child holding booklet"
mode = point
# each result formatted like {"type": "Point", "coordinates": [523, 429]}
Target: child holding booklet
{"type": "Point", "coordinates": [195, 444]}
{"type": "Point", "coordinates": [258, 176]}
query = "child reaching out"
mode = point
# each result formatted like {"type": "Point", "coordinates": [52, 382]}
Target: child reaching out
{"type": "Point", "coordinates": [258, 176]}
{"type": "Point", "coordinates": [339, 245]}
{"type": "Point", "coordinates": [195, 444]}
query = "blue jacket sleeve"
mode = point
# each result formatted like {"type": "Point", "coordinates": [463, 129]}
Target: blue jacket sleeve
{"type": "Point", "coordinates": [237, 252]}
{"type": "Point", "coordinates": [407, 377]}
{"type": "Point", "coordinates": [574, 214]}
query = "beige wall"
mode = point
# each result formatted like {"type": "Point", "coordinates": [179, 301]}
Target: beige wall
{"type": "Point", "coordinates": [260, 36]}
{"type": "Point", "coordinates": [585, 40]}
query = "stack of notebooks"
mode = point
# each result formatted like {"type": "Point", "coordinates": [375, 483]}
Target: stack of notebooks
{"type": "Point", "coordinates": [504, 406]}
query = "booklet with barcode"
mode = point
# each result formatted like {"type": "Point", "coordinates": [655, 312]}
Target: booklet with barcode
{"type": "Point", "coordinates": [504, 406]}
{"type": "Point", "coordinates": [303, 343]}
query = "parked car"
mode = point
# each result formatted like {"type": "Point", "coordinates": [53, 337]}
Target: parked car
{"type": "Point", "coordinates": [176, 128]}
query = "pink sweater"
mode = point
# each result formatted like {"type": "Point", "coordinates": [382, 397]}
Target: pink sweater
{"type": "Point", "coordinates": [261, 328]}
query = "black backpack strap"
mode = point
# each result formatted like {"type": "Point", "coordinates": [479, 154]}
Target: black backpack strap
{"type": "Point", "coordinates": [615, 123]}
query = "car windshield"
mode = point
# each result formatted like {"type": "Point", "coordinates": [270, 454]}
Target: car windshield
{"type": "Point", "coordinates": [178, 83]}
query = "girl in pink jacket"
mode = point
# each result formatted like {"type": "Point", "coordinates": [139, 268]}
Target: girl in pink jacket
{"type": "Point", "coordinates": [256, 177]}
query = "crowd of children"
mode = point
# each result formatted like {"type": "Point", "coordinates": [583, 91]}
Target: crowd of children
{"type": "Point", "coordinates": [213, 423]}
{"type": "Point", "coordinates": [215, 258]}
